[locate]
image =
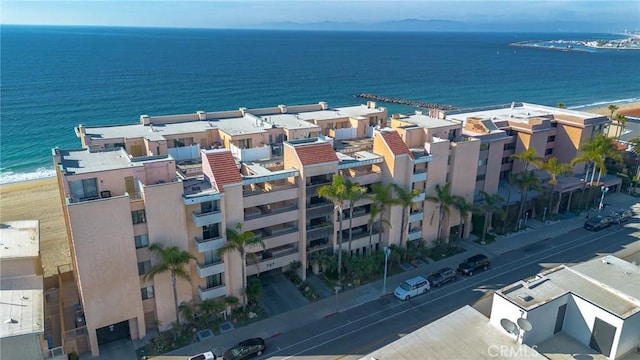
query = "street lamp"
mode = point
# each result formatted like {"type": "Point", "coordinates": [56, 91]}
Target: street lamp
{"type": "Point", "coordinates": [387, 252]}
{"type": "Point", "coordinates": [604, 190]}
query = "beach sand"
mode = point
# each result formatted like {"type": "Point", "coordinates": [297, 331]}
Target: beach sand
{"type": "Point", "coordinates": [40, 200]}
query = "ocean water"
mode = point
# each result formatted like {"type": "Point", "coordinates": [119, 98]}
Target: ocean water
{"type": "Point", "coordinates": [54, 78]}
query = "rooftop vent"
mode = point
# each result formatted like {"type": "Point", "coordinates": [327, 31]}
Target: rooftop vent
{"type": "Point", "coordinates": [11, 321]}
{"type": "Point", "coordinates": [525, 297]}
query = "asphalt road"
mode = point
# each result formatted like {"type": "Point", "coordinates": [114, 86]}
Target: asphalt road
{"type": "Point", "coordinates": [354, 333]}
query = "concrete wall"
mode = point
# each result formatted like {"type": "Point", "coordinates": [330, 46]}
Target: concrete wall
{"type": "Point", "coordinates": [629, 337]}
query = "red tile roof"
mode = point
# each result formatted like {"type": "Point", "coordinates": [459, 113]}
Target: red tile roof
{"type": "Point", "coordinates": [395, 143]}
{"type": "Point", "coordinates": [221, 169]}
{"type": "Point", "coordinates": [316, 153]}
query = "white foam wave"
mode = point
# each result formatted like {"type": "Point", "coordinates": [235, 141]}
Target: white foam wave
{"type": "Point", "coordinates": [600, 104]}
{"type": "Point", "coordinates": [8, 177]}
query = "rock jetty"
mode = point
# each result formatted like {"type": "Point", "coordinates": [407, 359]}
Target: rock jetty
{"type": "Point", "coordinates": [391, 100]}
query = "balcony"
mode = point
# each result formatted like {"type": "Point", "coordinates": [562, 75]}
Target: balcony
{"type": "Point", "coordinates": [278, 260]}
{"type": "Point", "coordinates": [212, 293]}
{"type": "Point", "coordinates": [419, 176]}
{"type": "Point", "coordinates": [320, 209]}
{"type": "Point", "coordinates": [414, 235]}
{"type": "Point", "coordinates": [279, 237]}
{"type": "Point", "coordinates": [208, 218]}
{"type": "Point", "coordinates": [203, 245]}
{"type": "Point", "coordinates": [210, 269]}
{"type": "Point", "coordinates": [420, 197]}
{"type": "Point", "coordinates": [319, 231]}
{"type": "Point", "coordinates": [416, 216]}
{"type": "Point", "coordinates": [317, 245]}
{"type": "Point", "coordinates": [261, 196]}
{"type": "Point", "coordinates": [275, 217]}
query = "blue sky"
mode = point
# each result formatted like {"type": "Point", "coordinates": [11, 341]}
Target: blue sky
{"type": "Point", "coordinates": [617, 15]}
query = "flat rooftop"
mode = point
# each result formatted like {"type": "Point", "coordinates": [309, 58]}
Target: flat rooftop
{"type": "Point", "coordinates": [82, 161]}
{"type": "Point", "coordinates": [22, 307]}
{"type": "Point", "coordinates": [427, 122]}
{"type": "Point", "coordinates": [608, 282]}
{"type": "Point", "coordinates": [463, 334]}
{"type": "Point", "coordinates": [230, 122]}
{"type": "Point", "coordinates": [518, 112]}
{"type": "Point", "coordinates": [19, 239]}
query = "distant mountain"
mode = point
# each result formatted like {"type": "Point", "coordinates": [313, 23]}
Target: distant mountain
{"type": "Point", "coordinates": [439, 25]}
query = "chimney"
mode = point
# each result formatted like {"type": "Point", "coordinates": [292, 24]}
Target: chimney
{"type": "Point", "coordinates": [323, 105]}
{"type": "Point", "coordinates": [201, 115]}
{"type": "Point", "coordinates": [371, 104]}
{"type": "Point", "coordinates": [145, 119]}
{"type": "Point", "coordinates": [283, 109]}
{"type": "Point", "coordinates": [243, 110]}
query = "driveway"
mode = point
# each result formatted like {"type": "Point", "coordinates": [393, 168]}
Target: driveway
{"type": "Point", "coordinates": [279, 295]}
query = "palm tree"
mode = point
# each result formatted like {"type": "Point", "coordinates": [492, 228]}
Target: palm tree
{"type": "Point", "coordinates": [562, 105]}
{"type": "Point", "coordinates": [404, 198]}
{"type": "Point", "coordinates": [444, 200]}
{"type": "Point", "coordinates": [464, 209]}
{"type": "Point", "coordinates": [490, 204]}
{"type": "Point", "coordinates": [554, 169]}
{"type": "Point", "coordinates": [512, 179]}
{"type": "Point", "coordinates": [337, 194]}
{"type": "Point", "coordinates": [525, 181]}
{"type": "Point", "coordinates": [374, 210]}
{"type": "Point", "coordinates": [613, 109]}
{"type": "Point", "coordinates": [238, 240]}
{"type": "Point", "coordinates": [622, 122]}
{"type": "Point", "coordinates": [382, 197]}
{"type": "Point", "coordinates": [354, 193]}
{"type": "Point", "coordinates": [528, 157]}
{"type": "Point", "coordinates": [172, 259]}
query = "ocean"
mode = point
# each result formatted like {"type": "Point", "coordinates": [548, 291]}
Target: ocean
{"type": "Point", "coordinates": [54, 78]}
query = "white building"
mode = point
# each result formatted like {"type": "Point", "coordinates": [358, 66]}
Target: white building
{"type": "Point", "coordinates": [21, 294]}
{"type": "Point", "coordinates": [591, 306]}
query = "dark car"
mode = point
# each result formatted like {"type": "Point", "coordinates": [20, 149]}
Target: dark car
{"type": "Point", "coordinates": [442, 276]}
{"type": "Point", "coordinates": [245, 349]}
{"type": "Point", "coordinates": [597, 223]}
{"type": "Point", "coordinates": [620, 216]}
{"type": "Point", "coordinates": [474, 263]}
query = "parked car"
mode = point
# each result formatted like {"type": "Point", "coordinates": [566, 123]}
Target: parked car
{"type": "Point", "coordinates": [204, 356]}
{"type": "Point", "coordinates": [473, 264]}
{"type": "Point", "coordinates": [596, 223]}
{"type": "Point", "coordinates": [412, 287]}
{"type": "Point", "coordinates": [620, 216]}
{"type": "Point", "coordinates": [442, 276]}
{"type": "Point", "coordinates": [245, 349]}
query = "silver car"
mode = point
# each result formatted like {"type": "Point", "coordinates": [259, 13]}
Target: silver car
{"type": "Point", "coordinates": [620, 216]}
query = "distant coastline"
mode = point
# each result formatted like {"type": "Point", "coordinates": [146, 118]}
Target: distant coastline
{"type": "Point", "coordinates": [631, 42]}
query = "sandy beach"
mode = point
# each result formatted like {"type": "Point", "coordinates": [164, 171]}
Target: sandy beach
{"type": "Point", "coordinates": [40, 200]}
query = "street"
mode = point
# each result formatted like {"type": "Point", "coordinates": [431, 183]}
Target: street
{"type": "Point", "coordinates": [353, 333]}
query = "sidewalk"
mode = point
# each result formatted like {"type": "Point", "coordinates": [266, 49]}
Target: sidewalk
{"type": "Point", "coordinates": [273, 326]}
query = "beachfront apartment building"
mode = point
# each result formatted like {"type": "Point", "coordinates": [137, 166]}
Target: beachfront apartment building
{"type": "Point", "coordinates": [182, 180]}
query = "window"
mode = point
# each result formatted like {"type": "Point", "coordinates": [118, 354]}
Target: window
{"type": "Point", "coordinates": [244, 143]}
{"type": "Point", "coordinates": [554, 124]}
{"type": "Point", "coordinates": [144, 267]}
{"type": "Point", "coordinates": [138, 217]}
{"type": "Point", "coordinates": [507, 160]}
{"type": "Point", "coordinates": [211, 231]}
{"type": "Point", "coordinates": [482, 162]}
{"type": "Point", "coordinates": [214, 281]}
{"type": "Point", "coordinates": [551, 138]}
{"type": "Point", "coordinates": [509, 146]}
{"type": "Point", "coordinates": [209, 206]}
{"type": "Point", "coordinates": [141, 241]}
{"type": "Point", "coordinates": [84, 189]}
{"type": "Point", "coordinates": [484, 147]}
{"type": "Point", "coordinates": [480, 177]}
{"type": "Point", "coordinates": [147, 292]}
{"type": "Point", "coordinates": [211, 257]}
{"type": "Point", "coordinates": [548, 152]}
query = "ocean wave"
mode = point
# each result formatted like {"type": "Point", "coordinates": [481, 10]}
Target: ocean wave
{"type": "Point", "coordinates": [9, 177]}
{"type": "Point", "coordinates": [600, 104]}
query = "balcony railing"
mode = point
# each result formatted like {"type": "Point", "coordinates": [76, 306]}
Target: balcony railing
{"type": "Point", "coordinates": [284, 258]}
{"type": "Point", "coordinates": [210, 269]}
{"type": "Point", "coordinates": [319, 231]}
{"type": "Point", "coordinates": [416, 216]}
{"type": "Point", "coordinates": [212, 293]}
{"type": "Point", "coordinates": [208, 218]}
{"type": "Point", "coordinates": [419, 197]}
{"type": "Point", "coordinates": [203, 245]}
{"type": "Point", "coordinates": [414, 235]}
{"type": "Point", "coordinates": [419, 176]}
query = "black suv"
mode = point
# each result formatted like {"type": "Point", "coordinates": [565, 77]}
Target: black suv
{"type": "Point", "coordinates": [476, 262]}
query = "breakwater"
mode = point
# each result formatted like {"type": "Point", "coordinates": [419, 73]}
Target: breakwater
{"type": "Point", "coordinates": [399, 101]}
{"type": "Point", "coordinates": [552, 46]}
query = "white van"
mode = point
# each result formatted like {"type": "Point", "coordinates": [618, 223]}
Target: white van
{"type": "Point", "coordinates": [412, 287]}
